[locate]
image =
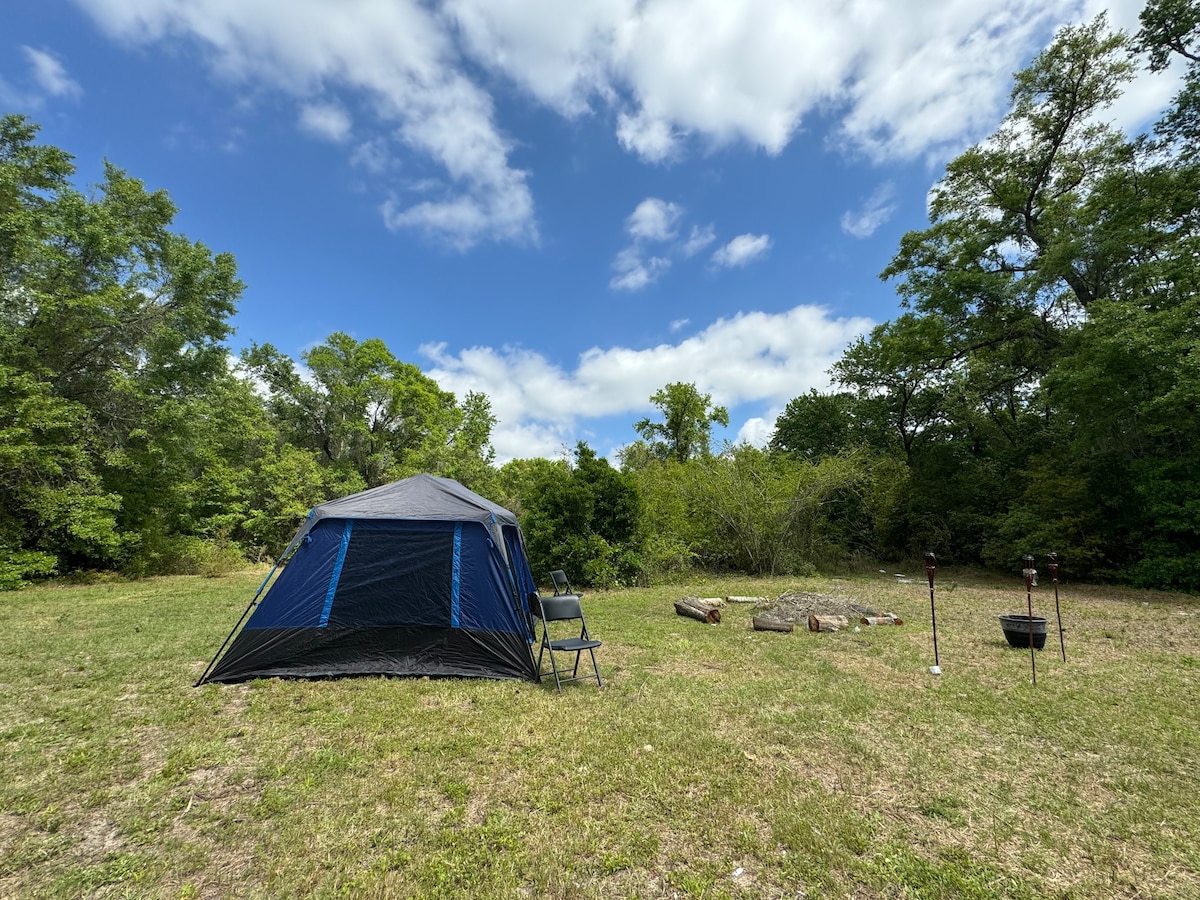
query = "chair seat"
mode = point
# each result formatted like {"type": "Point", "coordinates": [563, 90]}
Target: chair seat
{"type": "Point", "coordinates": [570, 645]}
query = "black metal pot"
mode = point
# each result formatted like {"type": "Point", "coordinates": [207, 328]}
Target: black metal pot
{"type": "Point", "coordinates": [1017, 628]}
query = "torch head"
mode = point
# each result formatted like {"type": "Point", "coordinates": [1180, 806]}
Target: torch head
{"type": "Point", "coordinates": [1029, 571]}
{"type": "Point", "coordinates": [930, 567]}
{"type": "Point", "coordinates": [1053, 563]}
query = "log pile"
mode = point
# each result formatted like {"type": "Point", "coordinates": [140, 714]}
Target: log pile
{"type": "Point", "coordinates": [701, 610]}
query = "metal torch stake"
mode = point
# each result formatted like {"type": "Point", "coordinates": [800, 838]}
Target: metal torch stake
{"type": "Point", "coordinates": [1062, 642]}
{"type": "Point", "coordinates": [1029, 572]}
{"type": "Point", "coordinates": [930, 568]}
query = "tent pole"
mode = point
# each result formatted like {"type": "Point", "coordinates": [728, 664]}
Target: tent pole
{"type": "Point", "coordinates": [229, 637]}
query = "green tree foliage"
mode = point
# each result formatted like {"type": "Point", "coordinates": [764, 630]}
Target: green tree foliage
{"type": "Point", "coordinates": [1171, 32]}
{"type": "Point", "coordinates": [1041, 388]}
{"type": "Point", "coordinates": [368, 414]}
{"type": "Point", "coordinates": [765, 512]}
{"type": "Point", "coordinates": [583, 517]}
{"type": "Point", "coordinates": [686, 429]}
{"type": "Point", "coordinates": [110, 324]}
{"type": "Point", "coordinates": [816, 425]}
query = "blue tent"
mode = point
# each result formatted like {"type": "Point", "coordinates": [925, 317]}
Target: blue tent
{"type": "Point", "coordinates": [417, 577]}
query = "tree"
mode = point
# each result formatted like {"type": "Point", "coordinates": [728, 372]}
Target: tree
{"type": "Point", "coordinates": [1041, 383]}
{"type": "Point", "coordinates": [1171, 30]}
{"type": "Point", "coordinates": [584, 518]}
{"type": "Point", "coordinates": [111, 325]}
{"type": "Point", "coordinates": [364, 411]}
{"type": "Point", "coordinates": [815, 425]}
{"type": "Point", "coordinates": [688, 417]}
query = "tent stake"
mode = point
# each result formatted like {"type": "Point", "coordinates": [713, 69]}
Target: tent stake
{"type": "Point", "coordinates": [930, 568]}
{"type": "Point", "coordinates": [1030, 572]}
{"type": "Point", "coordinates": [1062, 642]}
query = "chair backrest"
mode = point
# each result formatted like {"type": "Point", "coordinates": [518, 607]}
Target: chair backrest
{"type": "Point", "coordinates": [561, 585]}
{"type": "Point", "coordinates": [555, 609]}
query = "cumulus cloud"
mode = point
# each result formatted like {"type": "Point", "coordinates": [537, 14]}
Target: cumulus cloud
{"type": "Point", "coordinates": [758, 430]}
{"type": "Point", "coordinates": [650, 138]}
{"type": "Point", "coordinates": [634, 272]}
{"type": "Point", "coordinates": [653, 220]}
{"type": "Point", "coordinates": [742, 250]}
{"type": "Point", "coordinates": [543, 404]}
{"type": "Point", "coordinates": [905, 80]}
{"type": "Point", "coordinates": [878, 208]}
{"type": "Point", "coordinates": [401, 56]}
{"type": "Point", "coordinates": [325, 120]}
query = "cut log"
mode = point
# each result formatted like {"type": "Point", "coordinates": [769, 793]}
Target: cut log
{"type": "Point", "coordinates": [695, 608]}
{"type": "Point", "coordinates": [885, 619]}
{"type": "Point", "coordinates": [827, 623]}
{"type": "Point", "coordinates": [746, 599]}
{"type": "Point", "coordinates": [761, 624]}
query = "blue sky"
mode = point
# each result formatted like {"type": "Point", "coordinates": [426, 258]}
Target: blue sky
{"type": "Point", "coordinates": [565, 205]}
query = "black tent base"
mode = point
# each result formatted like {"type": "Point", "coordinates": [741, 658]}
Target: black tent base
{"type": "Point", "coordinates": [318, 653]}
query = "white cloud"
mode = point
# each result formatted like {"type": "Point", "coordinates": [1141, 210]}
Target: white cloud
{"type": "Point", "coordinates": [50, 75]}
{"type": "Point", "coordinates": [742, 250]}
{"type": "Point", "coordinates": [878, 208]}
{"type": "Point", "coordinates": [699, 239]}
{"type": "Point", "coordinates": [906, 79]}
{"type": "Point", "coordinates": [400, 55]}
{"type": "Point", "coordinates": [325, 120]}
{"type": "Point", "coordinates": [650, 138]}
{"type": "Point", "coordinates": [542, 404]}
{"type": "Point", "coordinates": [903, 80]}
{"type": "Point", "coordinates": [679, 323]}
{"type": "Point", "coordinates": [634, 271]}
{"type": "Point", "coordinates": [758, 430]}
{"type": "Point", "coordinates": [653, 220]}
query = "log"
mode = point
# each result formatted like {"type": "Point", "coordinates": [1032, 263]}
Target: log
{"type": "Point", "coordinates": [761, 624]}
{"type": "Point", "coordinates": [713, 601]}
{"type": "Point", "coordinates": [885, 619]}
{"type": "Point", "coordinates": [745, 599]}
{"type": "Point", "coordinates": [827, 623]}
{"type": "Point", "coordinates": [695, 608]}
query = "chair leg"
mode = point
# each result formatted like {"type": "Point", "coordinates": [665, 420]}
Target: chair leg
{"type": "Point", "coordinates": [595, 668]}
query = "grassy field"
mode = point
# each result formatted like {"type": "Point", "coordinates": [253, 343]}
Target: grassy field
{"type": "Point", "coordinates": [716, 762]}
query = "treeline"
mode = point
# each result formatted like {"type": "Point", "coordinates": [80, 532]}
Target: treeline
{"type": "Point", "coordinates": [1038, 392]}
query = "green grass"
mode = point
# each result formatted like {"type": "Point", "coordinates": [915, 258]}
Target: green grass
{"type": "Point", "coordinates": [818, 765]}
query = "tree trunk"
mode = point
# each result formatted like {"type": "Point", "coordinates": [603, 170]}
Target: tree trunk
{"type": "Point", "coordinates": [827, 623]}
{"type": "Point", "coordinates": [733, 599]}
{"type": "Point", "coordinates": [695, 608]}
{"type": "Point", "coordinates": [761, 624]}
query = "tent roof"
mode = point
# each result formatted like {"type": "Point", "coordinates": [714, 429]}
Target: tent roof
{"type": "Point", "coordinates": [418, 497]}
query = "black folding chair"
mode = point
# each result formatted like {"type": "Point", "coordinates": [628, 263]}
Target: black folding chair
{"type": "Point", "coordinates": [564, 608]}
{"type": "Point", "coordinates": [562, 587]}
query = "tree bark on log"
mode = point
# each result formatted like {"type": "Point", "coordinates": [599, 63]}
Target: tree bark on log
{"type": "Point", "coordinates": [733, 599]}
{"type": "Point", "coordinates": [885, 619]}
{"type": "Point", "coordinates": [827, 623]}
{"type": "Point", "coordinates": [695, 608]}
{"type": "Point", "coordinates": [761, 624]}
